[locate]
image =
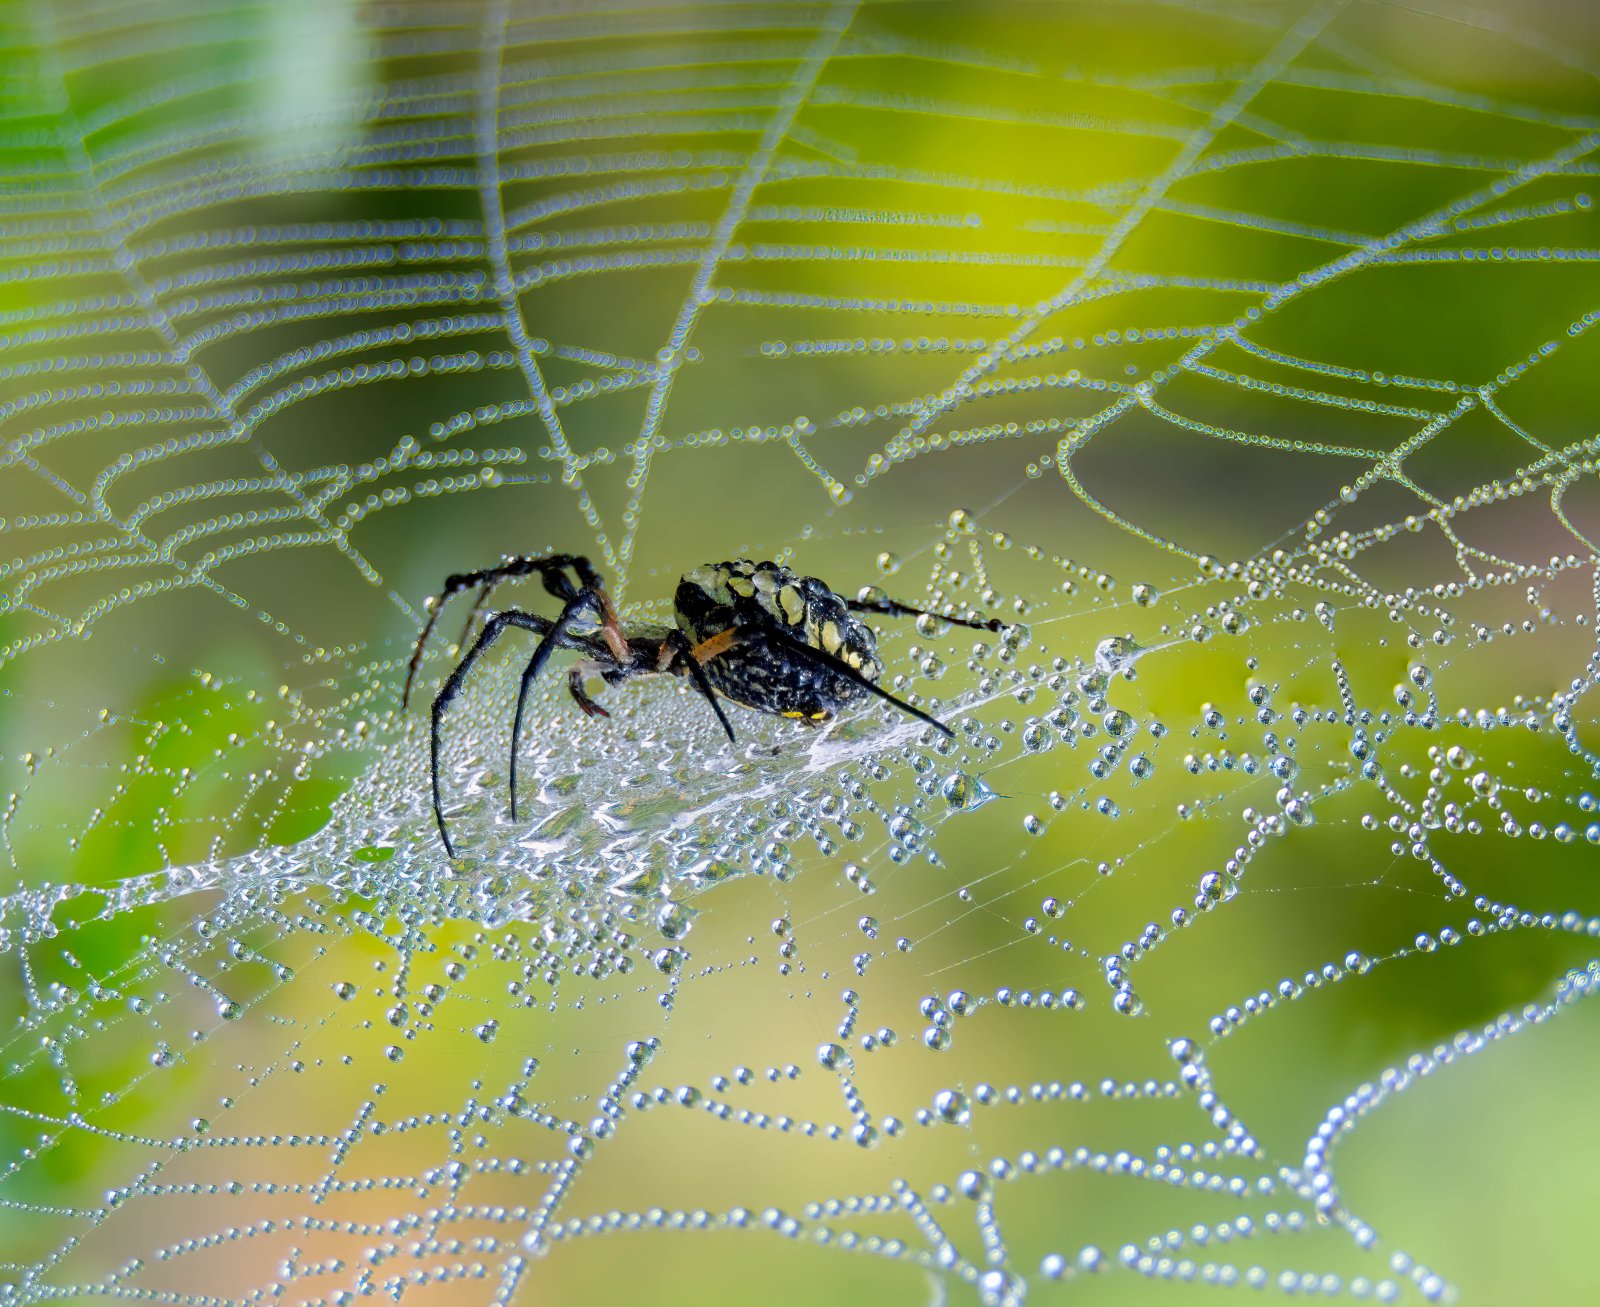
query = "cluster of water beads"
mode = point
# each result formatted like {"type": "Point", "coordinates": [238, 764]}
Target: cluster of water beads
{"type": "Point", "coordinates": [588, 943]}
{"type": "Point", "coordinates": [615, 944]}
{"type": "Point", "coordinates": [597, 890]}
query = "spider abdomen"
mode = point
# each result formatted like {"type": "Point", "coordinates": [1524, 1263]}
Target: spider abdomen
{"type": "Point", "coordinates": [755, 600]}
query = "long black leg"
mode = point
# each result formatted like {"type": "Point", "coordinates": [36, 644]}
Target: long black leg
{"type": "Point", "coordinates": [894, 608]}
{"type": "Point", "coordinates": [585, 601]}
{"type": "Point", "coordinates": [684, 654]}
{"type": "Point", "coordinates": [416, 654]}
{"type": "Point", "coordinates": [478, 601]}
{"type": "Point", "coordinates": [552, 570]}
{"type": "Point", "coordinates": [841, 668]}
{"type": "Point", "coordinates": [491, 632]}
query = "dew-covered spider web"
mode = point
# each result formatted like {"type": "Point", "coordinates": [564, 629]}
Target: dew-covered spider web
{"type": "Point", "coordinates": [1238, 356]}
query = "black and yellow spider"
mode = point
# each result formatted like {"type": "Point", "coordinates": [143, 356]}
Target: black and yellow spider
{"type": "Point", "coordinates": [753, 633]}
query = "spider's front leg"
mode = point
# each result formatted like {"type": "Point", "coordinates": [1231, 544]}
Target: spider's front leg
{"type": "Point", "coordinates": [491, 632]}
{"type": "Point", "coordinates": [552, 570]}
{"type": "Point", "coordinates": [586, 602]}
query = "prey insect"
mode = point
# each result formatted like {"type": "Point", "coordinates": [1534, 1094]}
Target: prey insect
{"type": "Point", "coordinates": [755, 634]}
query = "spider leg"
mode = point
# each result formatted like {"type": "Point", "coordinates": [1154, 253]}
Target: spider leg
{"type": "Point", "coordinates": [841, 668]}
{"type": "Point", "coordinates": [587, 600]}
{"type": "Point", "coordinates": [589, 581]}
{"type": "Point", "coordinates": [552, 570]}
{"type": "Point", "coordinates": [575, 678]}
{"type": "Point", "coordinates": [434, 605]}
{"type": "Point", "coordinates": [478, 601]}
{"type": "Point", "coordinates": [452, 687]}
{"type": "Point", "coordinates": [684, 656]}
{"type": "Point", "coordinates": [894, 608]}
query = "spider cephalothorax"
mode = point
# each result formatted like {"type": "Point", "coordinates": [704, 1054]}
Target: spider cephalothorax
{"type": "Point", "coordinates": [756, 634]}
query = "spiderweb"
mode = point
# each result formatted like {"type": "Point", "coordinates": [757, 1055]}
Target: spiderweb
{"type": "Point", "coordinates": [1237, 356]}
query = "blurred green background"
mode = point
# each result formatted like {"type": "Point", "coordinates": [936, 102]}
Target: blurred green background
{"type": "Point", "coordinates": [306, 305]}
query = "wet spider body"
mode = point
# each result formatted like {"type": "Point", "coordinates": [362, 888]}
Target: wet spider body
{"type": "Point", "coordinates": [750, 600]}
{"type": "Point", "coordinates": [756, 634]}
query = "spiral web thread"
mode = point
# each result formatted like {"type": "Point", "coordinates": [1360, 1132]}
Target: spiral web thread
{"type": "Point", "coordinates": [895, 982]}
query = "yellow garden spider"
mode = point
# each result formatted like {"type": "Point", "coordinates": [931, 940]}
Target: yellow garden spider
{"type": "Point", "coordinates": [753, 633]}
